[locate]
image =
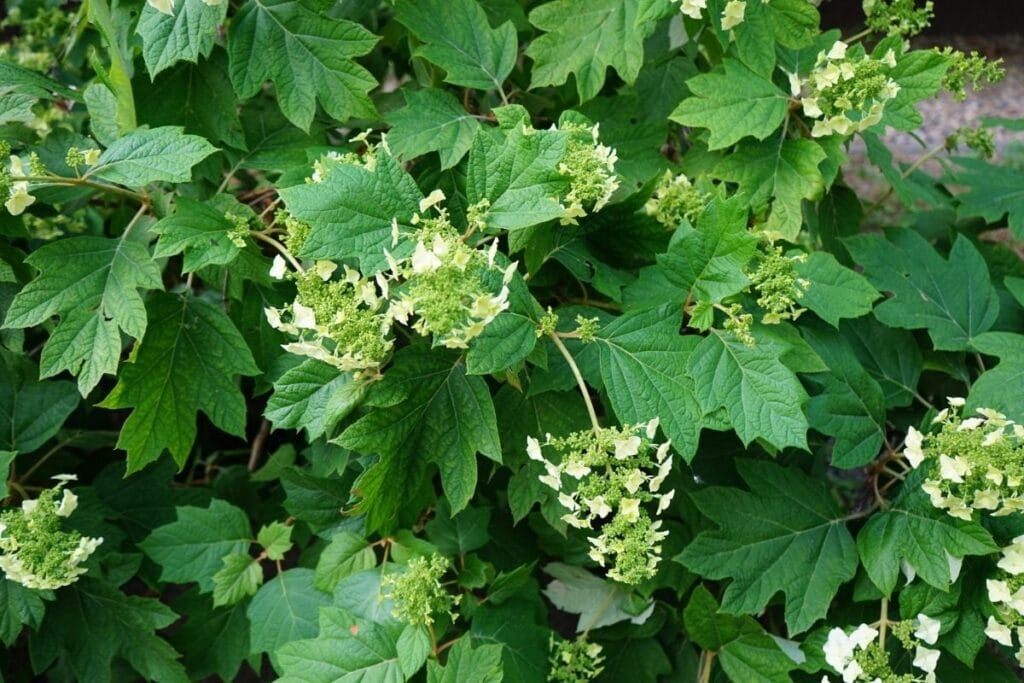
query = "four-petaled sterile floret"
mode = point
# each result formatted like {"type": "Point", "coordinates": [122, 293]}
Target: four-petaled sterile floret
{"type": "Point", "coordinates": [590, 168]}
{"type": "Point", "coordinates": [604, 479]}
{"type": "Point", "coordinates": [35, 550]}
{"type": "Point", "coordinates": [575, 661]}
{"type": "Point", "coordinates": [676, 199]}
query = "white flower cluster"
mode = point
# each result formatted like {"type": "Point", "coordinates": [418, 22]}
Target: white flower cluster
{"type": "Point", "coordinates": [342, 322]}
{"type": "Point", "coordinates": [18, 198]}
{"type": "Point", "coordinates": [446, 285]}
{"type": "Point", "coordinates": [167, 6]}
{"type": "Point", "coordinates": [34, 550]}
{"type": "Point", "coordinates": [1006, 592]}
{"type": "Point", "coordinates": [603, 479]}
{"type": "Point", "coordinates": [846, 94]}
{"type": "Point", "coordinates": [859, 657]}
{"type": "Point", "coordinates": [590, 167]}
{"type": "Point", "coordinates": [979, 461]}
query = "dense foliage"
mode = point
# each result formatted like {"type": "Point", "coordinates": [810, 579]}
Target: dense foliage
{"type": "Point", "coordinates": [502, 341]}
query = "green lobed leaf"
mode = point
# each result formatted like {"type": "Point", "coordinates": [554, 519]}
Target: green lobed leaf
{"type": "Point", "coordinates": [439, 415]}
{"type": "Point", "coordinates": [733, 103]}
{"type": "Point", "coordinates": [468, 664]}
{"type": "Point", "coordinates": [348, 647]}
{"type": "Point", "coordinates": [762, 397]}
{"type": "Point", "coordinates": [151, 155]}
{"type": "Point", "coordinates": [190, 31]}
{"type": "Point", "coordinates": [313, 396]}
{"type": "Point", "coordinates": [785, 534]}
{"type": "Point", "coordinates": [199, 230]}
{"type": "Point", "coordinates": [990, 390]}
{"type": "Point", "coordinates": [524, 642]}
{"type": "Point", "coordinates": [911, 530]}
{"type": "Point", "coordinates": [432, 121]}
{"type": "Point", "coordinates": [350, 212]}
{"type": "Point", "coordinates": [952, 298]}
{"type": "Point", "coordinates": [31, 411]}
{"type": "Point", "coordinates": [835, 291]}
{"type": "Point", "coordinates": [212, 640]}
{"type": "Point", "coordinates": [457, 37]}
{"type": "Point", "coordinates": [506, 341]}
{"type": "Point", "coordinates": [583, 38]}
{"type": "Point", "coordinates": [642, 356]}
{"type": "Point", "coordinates": [19, 607]}
{"type": "Point", "coordinates": [308, 56]}
{"type": "Point", "coordinates": [239, 577]}
{"type": "Point", "coordinates": [188, 361]}
{"type": "Point", "coordinates": [190, 548]}
{"type": "Point", "coordinates": [346, 554]}
{"type": "Point", "coordinates": [598, 602]}
{"type": "Point", "coordinates": [93, 284]}
{"type": "Point", "coordinates": [781, 172]}
{"type": "Point", "coordinates": [850, 405]}
{"type": "Point", "coordinates": [516, 172]}
{"type": "Point", "coordinates": [284, 610]}
{"type": "Point", "coordinates": [991, 192]}
{"type": "Point", "coordinates": [890, 356]}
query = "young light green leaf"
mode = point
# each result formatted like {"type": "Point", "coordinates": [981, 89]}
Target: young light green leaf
{"type": "Point", "coordinates": [990, 389]}
{"type": "Point", "coordinates": [468, 664]}
{"type": "Point", "coordinates": [200, 231]}
{"type": "Point", "coordinates": [919, 75]}
{"type": "Point", "coordinates": [347, 648]}
{"type": "Point", "coordinates": [645, 349]}
{"type": "Point", "coordinates": [432, 121]}
{"type": "Point", "coordinates": [313, 396]}
{"type": "Point", "coordinates": [911, 530]}
{"type": "Point", "coordinates": [733, 103]}
{"type": "Point", "coordinates": [836, 291]}
{"type": "Point", "coordinates": [284, 609]}
{"type": "Point", "coordinates": [784, 174]}
{"type": "Point", "coordinates": [151, 155]}
{"type": "Point", "coordinates": [92, 283]}
{"type": "Point", "coordinates": [346, 554]}
{"type": "Point", "coordinates": [308, 56]}
{"type": "Point", "coordinates": [436, 414]}
{"type": "Point", "coordinates": [238, 578]}
{"type": "Point", "coordinates": [188, 361]}
{"type": "Point", "coordinates": [952, 298]}
{"type": "Point", "coordinates": [350, 212]}
{"type": "Point", "coordinates": [516, 173]}
{"type": "Point", "coordinates": [850, 405]}
{"type": "Point", "coordinates": [413, 649]}
{"type": "Point", "coordinates": [583, 38]}
{"type": "Point", "coordinates": [190, 548]}
{"type": "Point", "coordinates": [184, 35]}
{"type": "Point", "coordinates": [763, 398]}
{"type": "Point", "coordinates": [459, 39]}
{"type": "Point", "coordinates": [275, 539]}
{"type": "Point", "coordinates": [599, 602]}
{"type": "Point", "coordinates": [785, 534]}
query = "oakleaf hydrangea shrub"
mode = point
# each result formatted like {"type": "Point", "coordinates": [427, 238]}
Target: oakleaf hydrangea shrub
{"type": "Point", "coordinates": [521, 341]}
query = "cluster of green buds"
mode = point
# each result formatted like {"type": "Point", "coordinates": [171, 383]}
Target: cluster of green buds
{"type": "Point", "coordinates": [1006, 593]}
{"type": "Point", "coordinates": [76, 158]}
{"type": "Point", "coordinates": [979, 140]}
{"type": "Point", "coordinates": [974, 69]}
{"type": "Point", "coordinates": [34, 550]}
{"type": "Point", "coordinates": [367, 159]}
{"type": "Point", "coordinates": [167, 6]}
{"type": "Point", "coordinates": [979, 462]}
{"type": "Point", "coordinates": [34, 43]}
{"type": "Point", "coordinates": [418, 593]}
{"type": "Point", "coordinates": [446, 285]}
{"type": "Point", "coordinates": [898, 17]}
{"type": "Point", "coordinates": [18, 197]}
{"type": "Point", "coordinates": [590, 168]}
{"type": "Point", "coordinates": [52, 227]}
{"type": "Point", "coordinates": [778, 285]}
{"type": "Point", "coordinates": [343, 322]}
{"type": "Point", "coordinates": [296, 231]}
{"type": "Point", "coordinates": [847, 94]}
{"type": "Point", "coordinates": [860, 657]}
{"type": "Point", "coordinates": [603, 479]}
{"type": "Point", "coordinates": [574, 661]}
{"type": "Point", "coordinates": [676, 199]}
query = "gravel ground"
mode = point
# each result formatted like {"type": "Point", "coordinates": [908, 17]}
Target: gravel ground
{"type": "Point", "coordinates": [943, 115]}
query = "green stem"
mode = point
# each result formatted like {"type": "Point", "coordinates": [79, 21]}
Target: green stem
{"type": "Point", "coordinates": [81, 182]}
{"type": "Point", "coordinates": [119, 77]}
{"type": "Point", "coordinates": [579, 381]}
{"type": "Point", "coordinates": [280, 247]}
